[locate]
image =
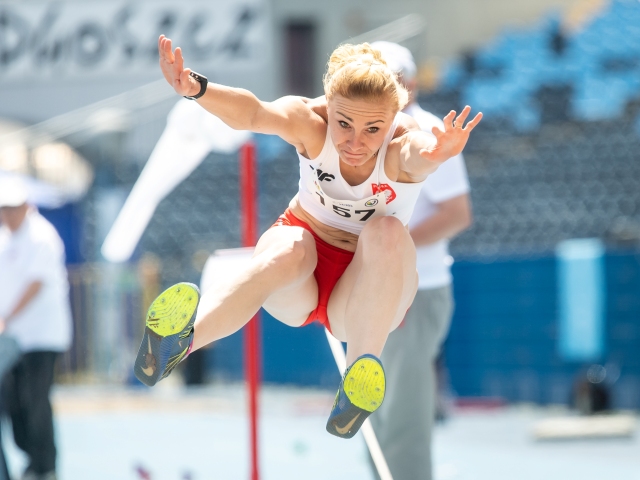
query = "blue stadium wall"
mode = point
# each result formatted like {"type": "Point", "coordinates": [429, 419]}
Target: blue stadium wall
{"type": "Point", "coordinates": [504, 337]}
{"type": "Point", "coordinates": [68, 222]}
{"type": "Point", "coordinates": [503, 340]}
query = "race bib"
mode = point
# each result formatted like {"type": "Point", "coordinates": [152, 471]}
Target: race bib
{"type": "Point", "coordinates": [352, 210]}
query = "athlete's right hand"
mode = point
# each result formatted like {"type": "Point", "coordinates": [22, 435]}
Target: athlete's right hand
{"type": "Point", "coordinates": [172, 66]}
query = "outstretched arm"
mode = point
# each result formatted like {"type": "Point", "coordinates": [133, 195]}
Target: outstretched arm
{"type": "Point", "coordinates": [237, 107]}
{"type": "Point", "coordinates": [420, 155]}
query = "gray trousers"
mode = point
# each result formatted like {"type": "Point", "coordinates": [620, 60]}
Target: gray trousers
{"type": "Point", "coordinates": [404, 422]}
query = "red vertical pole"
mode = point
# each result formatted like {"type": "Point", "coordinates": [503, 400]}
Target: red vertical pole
{"type": "Point", "coordinates": [249, 214]}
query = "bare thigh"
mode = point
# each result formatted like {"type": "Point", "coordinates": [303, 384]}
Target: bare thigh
{"type": "Point", "coordinates": [293, 304]}
{"type": "Point", "coordinates": [405, 255]}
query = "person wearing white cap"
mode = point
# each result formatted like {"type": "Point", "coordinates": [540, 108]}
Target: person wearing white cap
{"type": "Point", "coordinates": [405, 420]}
{"type": "Point", "coordinates": [35, 312]}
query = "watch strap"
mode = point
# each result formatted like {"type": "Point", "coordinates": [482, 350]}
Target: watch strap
{"type": "Point", "coordinates": [203, 81]}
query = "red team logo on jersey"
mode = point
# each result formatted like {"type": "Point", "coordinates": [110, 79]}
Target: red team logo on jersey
{"type": "Point", "coordinates": [389, 194]}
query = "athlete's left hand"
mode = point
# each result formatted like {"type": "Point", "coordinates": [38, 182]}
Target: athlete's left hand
{"type": "Point", "coordinates": [452, 141]}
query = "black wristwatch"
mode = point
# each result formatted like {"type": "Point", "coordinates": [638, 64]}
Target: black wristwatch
{"type": "Point", "coordinates": [202, 80]}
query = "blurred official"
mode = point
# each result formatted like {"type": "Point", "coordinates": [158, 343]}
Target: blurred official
{"type": "Point", "coordinates": [405, 420]}
{"type": "Point", "coordinates": [35, 312]}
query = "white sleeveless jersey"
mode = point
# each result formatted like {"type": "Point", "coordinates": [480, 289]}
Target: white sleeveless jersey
{"type": "Point", "coordinates": [326, 195]}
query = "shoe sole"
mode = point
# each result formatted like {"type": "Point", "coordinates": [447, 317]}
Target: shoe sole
{"type": "Point", "coordinates": [364, 387]}
{"type": "Point", "coordinates": [169, 315]}
{"type": "Point", "coordinates": [365, 384]}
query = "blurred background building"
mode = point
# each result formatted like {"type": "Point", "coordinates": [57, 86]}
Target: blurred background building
{"type": "Point", "coordinates": [82, 104]}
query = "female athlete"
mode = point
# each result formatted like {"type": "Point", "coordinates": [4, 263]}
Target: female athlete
{"type": "Point", "coordinates": [341, 253]}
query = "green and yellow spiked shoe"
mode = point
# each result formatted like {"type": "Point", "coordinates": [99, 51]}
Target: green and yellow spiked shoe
{"type": "Point", "coordinates": [168, 333]}
{"type": "Point", "coordinates": [360, 394]}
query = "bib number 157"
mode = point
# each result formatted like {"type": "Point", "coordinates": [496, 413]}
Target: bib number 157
{"type": "Point", "coordinates": [346, 213]}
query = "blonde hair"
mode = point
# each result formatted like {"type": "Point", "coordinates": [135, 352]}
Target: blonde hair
{"type": "Point", "coordinates": [359, 71]}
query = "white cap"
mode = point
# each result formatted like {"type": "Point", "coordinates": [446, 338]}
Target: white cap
{"type": "Point", "coordinates": [13, 193]}
{"type": "Point", "coordinates": [398, 58]}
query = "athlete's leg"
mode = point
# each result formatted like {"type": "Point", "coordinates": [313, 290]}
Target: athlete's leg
{"type": "Point", "coordinates": [373, 295]}
{"type": "Point", "coordinates": [283, 263]}
{"type": "Point", "coordinates": [279, 276]}
{"type": "Point", "coordinates": [368, 302]}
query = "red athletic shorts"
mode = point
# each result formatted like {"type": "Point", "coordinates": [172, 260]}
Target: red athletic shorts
{"type": "Point", "coordinates": [332, 262]}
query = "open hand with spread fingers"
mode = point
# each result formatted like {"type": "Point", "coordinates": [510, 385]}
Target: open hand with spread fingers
{"type": "Point", "coordinates": [452, 141]}
{"type": "Point", "coordinates": [172, 65]}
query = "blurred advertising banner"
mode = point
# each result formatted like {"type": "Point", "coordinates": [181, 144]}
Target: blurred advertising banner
{"type": "Point", "coordinates": [111, 39]}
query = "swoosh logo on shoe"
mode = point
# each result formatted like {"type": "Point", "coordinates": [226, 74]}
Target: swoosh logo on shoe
{"type": "Point", "coordinates": [348, 426]}
{"type": "Point", "coordinates": [148, 371]}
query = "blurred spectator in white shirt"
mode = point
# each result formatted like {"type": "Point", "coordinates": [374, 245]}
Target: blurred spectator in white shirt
{"type": "Point", "coordinates": [35, 312]}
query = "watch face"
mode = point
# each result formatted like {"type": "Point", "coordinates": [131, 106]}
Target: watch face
{"type": "Point", "coordinates": [198, 77]}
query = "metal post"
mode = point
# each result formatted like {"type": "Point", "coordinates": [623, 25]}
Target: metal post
{"type": "Point", "coordinates": [249, 219]}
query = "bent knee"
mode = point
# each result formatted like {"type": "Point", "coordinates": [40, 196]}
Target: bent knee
{"type": "Point", "coordinates": [387, 226]}
{"type": "Point", "coordinates": [302, 252]}
{"type": "Point", "coordinates": [386, 232]}
{"type": "Point", "coordinates": [297, 256]}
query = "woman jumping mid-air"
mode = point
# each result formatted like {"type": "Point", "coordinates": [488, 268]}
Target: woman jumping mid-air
{"type": "Point", "coordinates": [341, 253]}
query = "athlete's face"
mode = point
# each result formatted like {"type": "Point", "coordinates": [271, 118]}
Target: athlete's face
{"type": "Point", "coordinates": [358, 127]}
